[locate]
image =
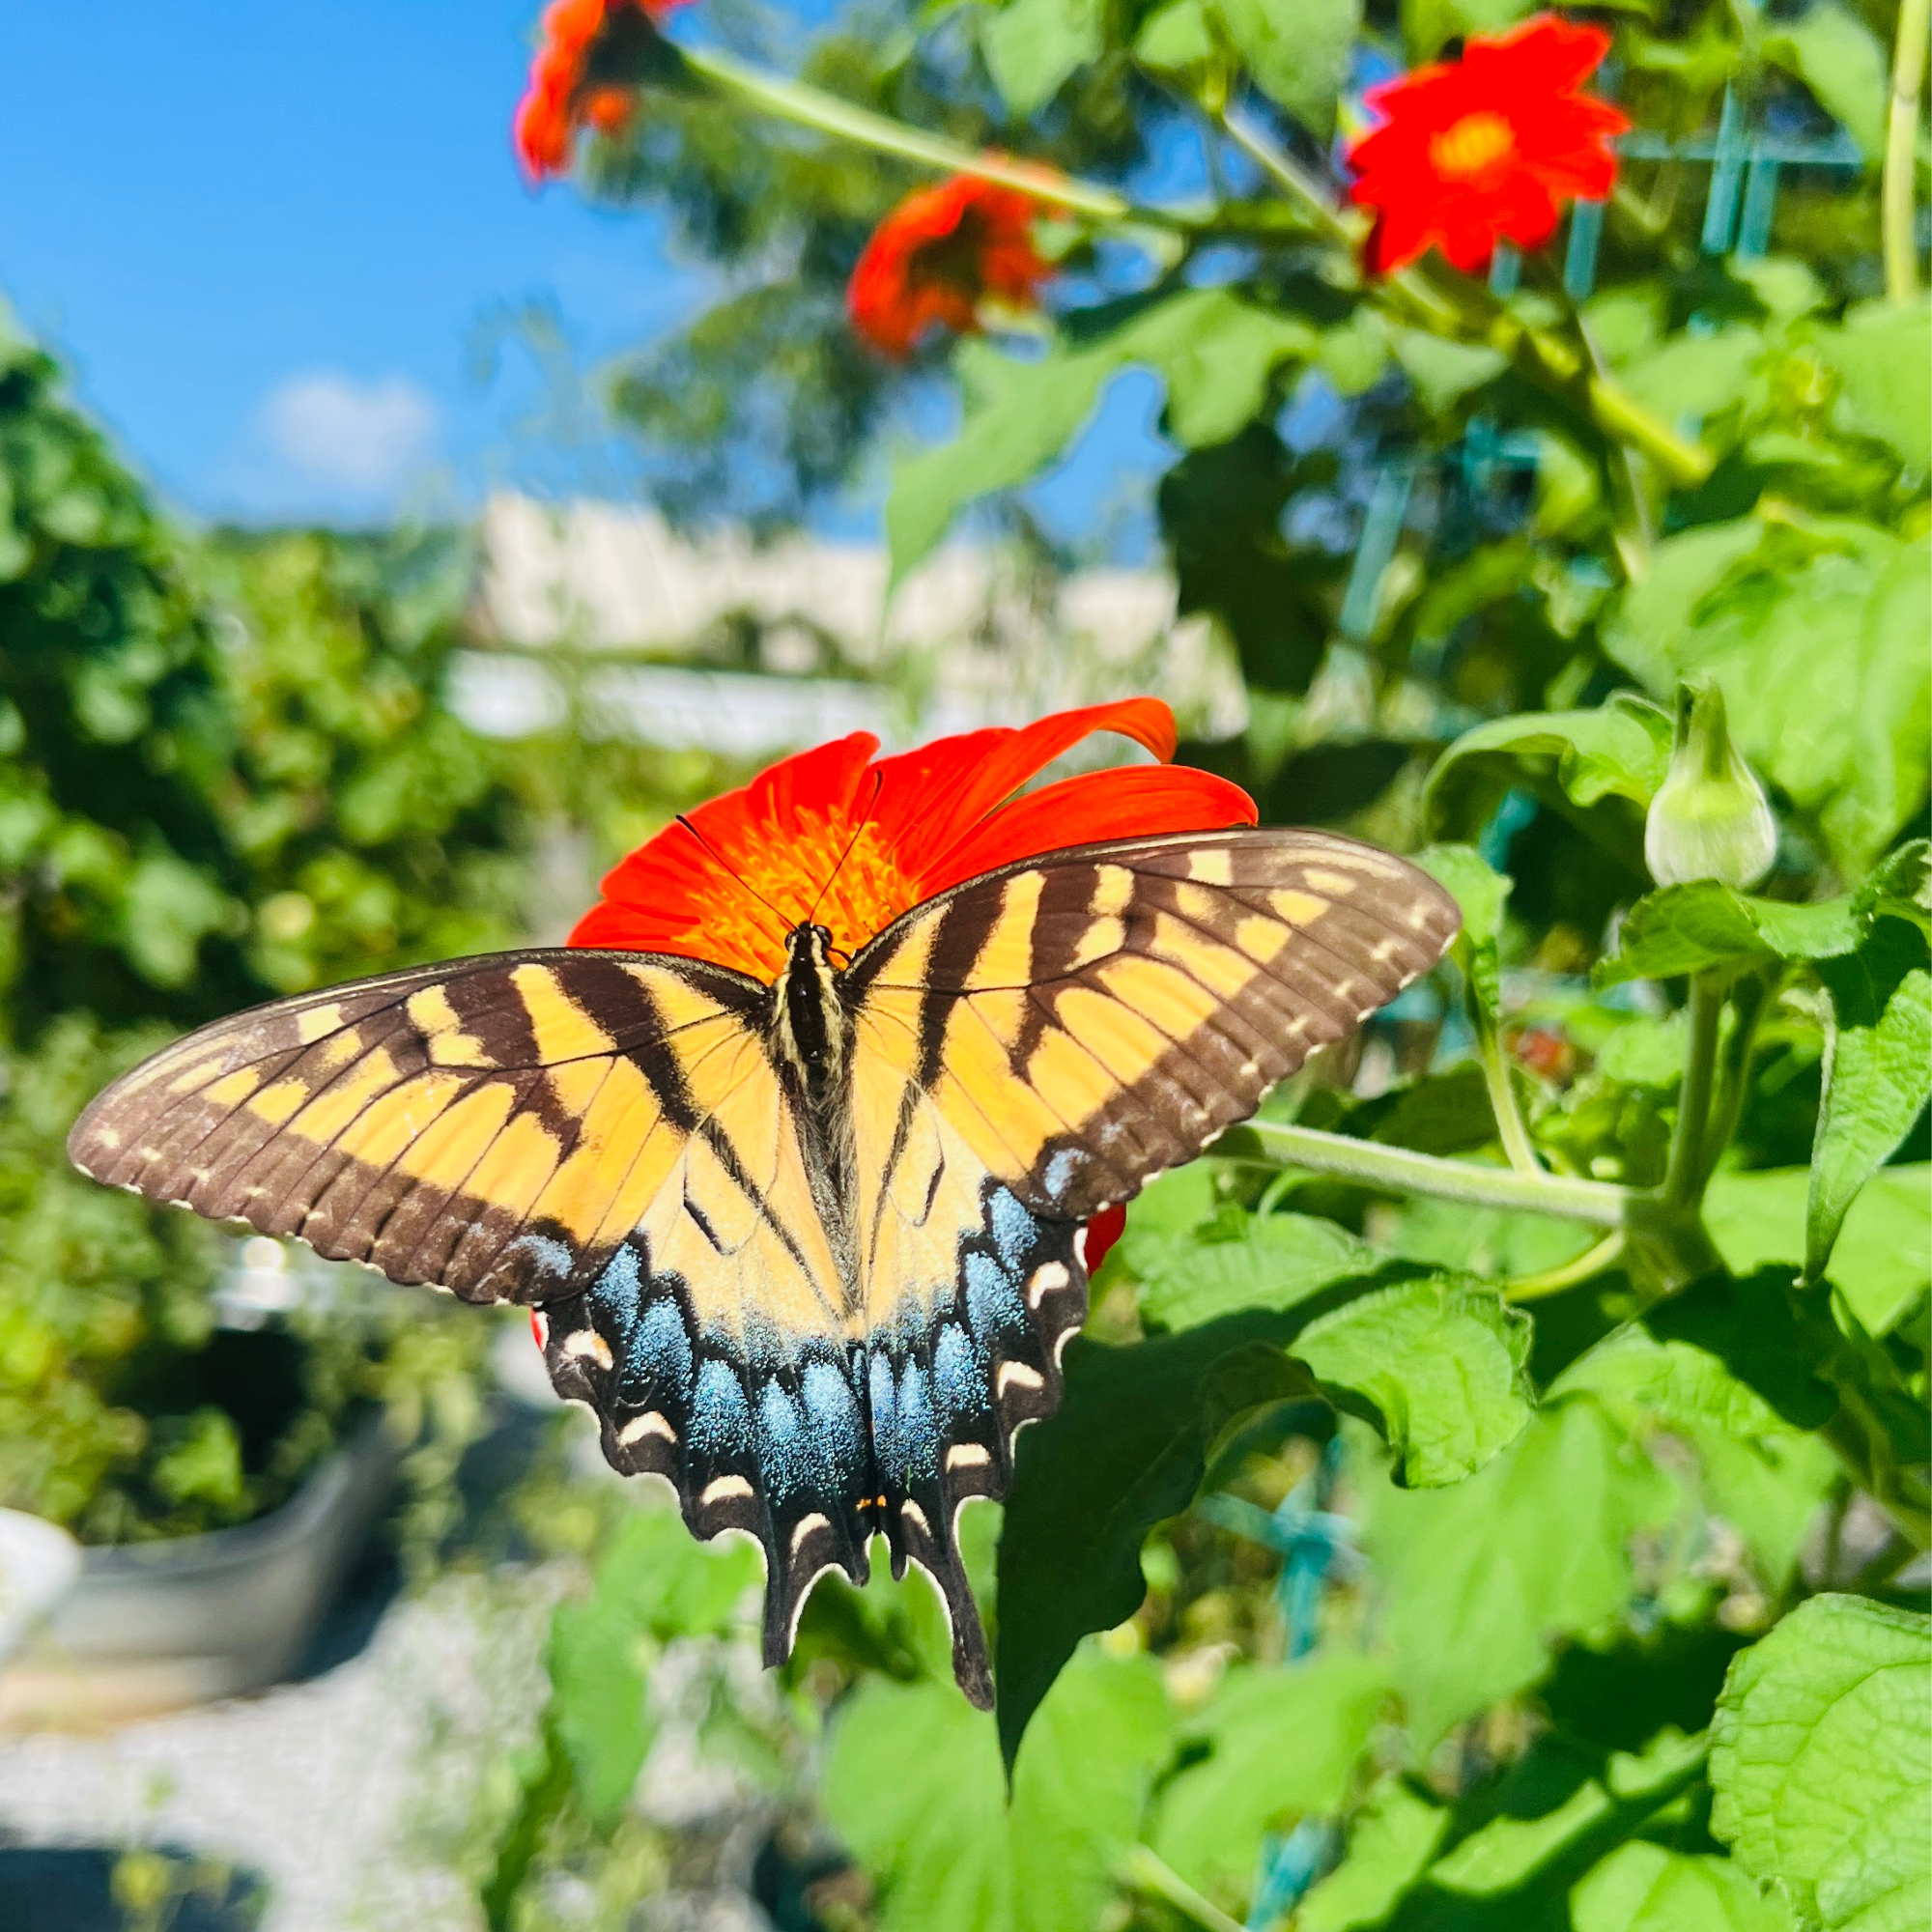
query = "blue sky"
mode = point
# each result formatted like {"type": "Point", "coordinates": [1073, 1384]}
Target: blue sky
{"type": "Point", "coordinates": [266, 238]}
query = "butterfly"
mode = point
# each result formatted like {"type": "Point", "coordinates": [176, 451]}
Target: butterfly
{"type": "Point", "coordinates": [809, 1246]}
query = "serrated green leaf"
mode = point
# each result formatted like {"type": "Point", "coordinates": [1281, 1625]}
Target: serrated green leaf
{"type": "Point", "coordinates": [1643, 1887]}
{"type": "Point", "coordinates": [1280, 1743]}
{"type": "Point", "coordinates": [1033, 45]}
{"type": "Point", "coordinates": [1444, 1360]}
{"type": "Point", "coordinates": [1821, 1763]}
{"type": "Point", "coordinates": [1126, 1449]}
{"type": "Point", "coordinates": [1840, 59]}
{"type": "Point", "coordinates": [1276, 1262]}
{"type": "Point", "coordinates": [1692, 928]}
{"type": "Point", "coordinates": [1878, 1074]}
{"type": "Point", "coordinates": [1476, 1585]}
{"type": "Point", "coordinates": [1444, 372]}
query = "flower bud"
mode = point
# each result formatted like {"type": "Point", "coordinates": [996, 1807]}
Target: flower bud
{"type": "Point", "coordinates": [1710, 819]}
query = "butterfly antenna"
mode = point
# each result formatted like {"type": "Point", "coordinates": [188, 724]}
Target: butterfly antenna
{"type": "Point", "coordinates": [865, 819]}
{"type": "Point", "coordinates": [732, 873]}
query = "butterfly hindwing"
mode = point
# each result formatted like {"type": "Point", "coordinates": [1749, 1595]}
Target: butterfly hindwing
{"type": "Point", "coordinates": [1089, 1019]}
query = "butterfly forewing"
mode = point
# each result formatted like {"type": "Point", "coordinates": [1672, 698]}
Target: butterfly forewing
{"type": "Point", "coordinates": [1092, 1018]}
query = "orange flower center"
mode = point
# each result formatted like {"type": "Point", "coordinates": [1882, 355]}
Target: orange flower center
{"type": "Point", "coordinates": [789, 874]}
{"type": "Point", "coordinates": [1472, 146]}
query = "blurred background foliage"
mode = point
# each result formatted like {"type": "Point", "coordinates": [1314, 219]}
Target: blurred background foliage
{"type": "Point", "coordinates": [1428, 1545]}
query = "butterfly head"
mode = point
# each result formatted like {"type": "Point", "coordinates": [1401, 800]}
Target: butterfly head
{"type": "Point", "coordinates": [809, 1014]}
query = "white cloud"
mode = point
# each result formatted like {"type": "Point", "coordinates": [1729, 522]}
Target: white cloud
{"type": "Point", "coordinates": [367, 437]}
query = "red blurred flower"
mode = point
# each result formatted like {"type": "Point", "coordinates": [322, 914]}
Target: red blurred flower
{"type": "Point", "coordinates": [852, 842]}
{"type": "Point", "coordinates": [1101, 1232]}
{"type": "Point", "coordinates": [1482, 150]}
{"type": "Point", "coordinates": [934, 256]}
{"type": "Point", "coordinates": [560, 96]}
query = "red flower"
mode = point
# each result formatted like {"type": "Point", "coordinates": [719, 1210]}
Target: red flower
{"type": "Point", "coordinates": [560, 96]}
{"type": "Point", "coordinates": [937, 254]}
{"type": "Point", "coordinates": [1482, 150]}
{"type": "Point", "coordinates": [852, 842]}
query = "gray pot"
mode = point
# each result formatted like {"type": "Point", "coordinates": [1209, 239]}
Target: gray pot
{"type": "Point", "coordinates": [150, 1627]}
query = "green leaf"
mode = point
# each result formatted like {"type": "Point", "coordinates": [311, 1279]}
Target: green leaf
{"type": "Point", "coordinates": [1883, 356]}
{"type": "Point", "coordinates": [1444, 372]}
{"type": "Point", "coordinates": [1126, 1449]}
{"type": "Point", "coordinates": [1878, 1072]}
{"type": "Point", "coordinates": [1297, 50]}
{"type": "Point", "coordinates": [1425, 24]}
{"type": "Point", "coordinates": [1687, 928]}
{"type": "Point", "coordinates": [1882, 1263]}
{"type": "Point", "coordinates": [1620, 750]}
{"type": "Point", "coordinates": [1081, 1785]}
{"type": "Point", "coordinates": [1395, 1836]}
{"type": "Point", "coordinates": [1019, 417]}
{"type": "Point", "coordinates": [1279, 1744]}
{"type": "Point", "coordinates": [652, 1581]}
{"type": "Point", "coordinates": [1821, 1763]}
{"type": "Point", "coordinates": [1218, 359]}
{"type": "Point", "coordinates": [913, 1786]}
{"type": "Point", "coordinates": [1176, 39]}
{"type": "Point", "coordinates": [1215, 352]}
{"type": "Point", "coordinates": [1759, 1472]}
{"type": "Point", "coordinates": [1643, 1887]}
{"type": "Point", "coordinates": [1477, 1586]}
{"type": "Point", "coordinates": [1275, 1261]}
{"type": "Point", "coordinates": [1481, 891]}
{"type": "Point", "coordinates": [1488, 1241]}
{"type": "Point", "coordinates": [1840, 59]}
{"type": "Point", "coordinates": [1033, 45]}
{"type": "Point", "coordinates": [1444, 1362]}
{"type": "Point", "coordinates": [1847, 732]}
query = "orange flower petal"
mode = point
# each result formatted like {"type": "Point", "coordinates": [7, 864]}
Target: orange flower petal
{"type": "Point", "coordinates": [835, 835]}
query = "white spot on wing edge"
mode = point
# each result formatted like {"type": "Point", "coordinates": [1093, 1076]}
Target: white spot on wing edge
{"type": "Point", "coordinates": [586, 1342]}
{"type": "Point", "coordinates": [1017, 1373]}
{"type": "Point", "coordinates": [653, 1424]}
{"type": "Point", "coordinates": [1047, 1279]}
{"type": "Point", "coordinates": [808, 1526]}
{"type": "Point", "coordinates": [723, 1490]}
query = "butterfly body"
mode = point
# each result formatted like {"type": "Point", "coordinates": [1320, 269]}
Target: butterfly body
{"type": "Point", "coordinates": [808, 1247]}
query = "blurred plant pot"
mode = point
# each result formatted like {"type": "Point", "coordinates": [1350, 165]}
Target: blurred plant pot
{"type": "Point", "coordinates": [150, 1627]}
{"type": "Point", "coordinates": [40, 1563]}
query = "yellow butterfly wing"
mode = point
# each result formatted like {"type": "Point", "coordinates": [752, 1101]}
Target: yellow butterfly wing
{"type": "Point", "coordinates": [602, 1135]}
{"type": "Point", "coordinates": [1035, 1046]}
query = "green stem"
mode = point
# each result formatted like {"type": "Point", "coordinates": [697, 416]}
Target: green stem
{"type": "Point", "coordinates": [1401, 1171]}
{"type": "Point", "coordinates": [1510, 1128]}
{"type": "Point", "coordinates": [1300, 186]}
{"type": "Point", "coordinates": [809, 106]}
{"type": "Point", "coordinates": [1146, 1870]}
{"type": "Point", "coordinates": [1684, 1176]}
{"type": "Point", "coordinates": [1605, 1254]}
{"type": "Point", "coordinates": [1901, 136]}
{"type": "Point", "coordinates": [1749, 1000]}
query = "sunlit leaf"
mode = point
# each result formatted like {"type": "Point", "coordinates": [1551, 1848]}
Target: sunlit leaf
{"type": "Point", "coordinates": [1821, 1763]}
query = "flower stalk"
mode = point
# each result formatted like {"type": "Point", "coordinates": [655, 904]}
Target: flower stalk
{"type": "Point", "coordinates": [1901, 136]}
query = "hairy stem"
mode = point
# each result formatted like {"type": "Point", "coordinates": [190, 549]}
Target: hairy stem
{"type": "Point", "coordinates": [1401, 1171]}
{"type": "Point", "coordinates": [1901, 136]}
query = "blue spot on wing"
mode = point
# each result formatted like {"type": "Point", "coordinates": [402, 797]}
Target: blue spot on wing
{"type": "Point", "coordinates": [785, 1454]}
{"type": "Point", "coordinates": [720, 1424]}
{"type": "Point", "coordinates": [1015, 1230]}
{"type": "Point", "coordinates": [958, 1380]}
{"type": "Point", "coordinates": [993, 1303]}
{"type": "Point", "coordinates": [658, 1357]}
{"type": "Point", "coordinates": [832, 1414]}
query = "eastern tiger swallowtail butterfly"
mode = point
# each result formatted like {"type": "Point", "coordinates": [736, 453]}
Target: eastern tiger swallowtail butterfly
{"type": "Point", "coordinates": [808, 1248]}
